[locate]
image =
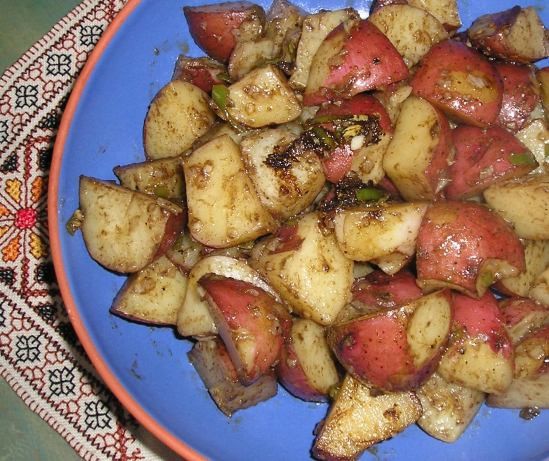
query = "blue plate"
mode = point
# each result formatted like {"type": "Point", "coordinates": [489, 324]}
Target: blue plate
{"type": "Point", "coordinates": [147, 368]}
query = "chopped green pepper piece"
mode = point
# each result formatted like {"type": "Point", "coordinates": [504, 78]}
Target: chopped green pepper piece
{"type": "Point", "coordinates": [524, 158]}
{"type": "Point", "coordinates": [323, 136]}
{"type": "Point", "coordinates": [369, 193]}
{"type": "Point", "coordinates": [224, 77]}
{"type": "Point", "coordinates": [220, 95]}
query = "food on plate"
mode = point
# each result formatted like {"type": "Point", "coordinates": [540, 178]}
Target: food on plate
{"type": "Point", "coordinates": [329, 202]}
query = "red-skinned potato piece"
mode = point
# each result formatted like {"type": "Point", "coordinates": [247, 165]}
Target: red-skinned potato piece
{"type": "Point", "coordinates": [201, 72]}
{"type": "Point", "coordinates": [306, 367]}
{"type": "Point", "coordinates": [461, 82]}
{"type": "Point", "coordinates": [396, 349]}
{"type": "Point", "coordinates": [246, 320]}
{"type": "Point", "coordinates": [467, 247]}
{"type": "Point", "coordinates": [353, 58]}
{"type": "Point", "coordinates": [480, 352]}
{"type": "Point", "coordinates": [340, 161]}
{"type": "Point", "coordinates": [379, 290]}
{"type": "Point", "coordinates": [213, 27]}
{"type": "Point", "coordinates": [484, 157]}
{"type": "Point", "coordinates": [520, 95]}
{"type": "Point", "coordinates": [522, 315]}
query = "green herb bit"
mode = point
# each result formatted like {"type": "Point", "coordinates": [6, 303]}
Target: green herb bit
{"type": "Point", "coordinates": [369, 193]}
{"type": "Point", "coordinates": [523, 158]}
{"type": "Point", "coordinates": [75, 222]}
{"type": "Point", "coordinates": [160, 190]}
{"type": "Point", "coordinates": [546, 150]}
{"type": "Point", "coordinates": [224, 77]}
{"type": "Point", "coordinates": [220, 95]}
{"type": "Point", "coordinates": [324, 137]}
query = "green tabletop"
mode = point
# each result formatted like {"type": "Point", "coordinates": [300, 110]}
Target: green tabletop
{"type": "Point", "coordinates": [23, 434]}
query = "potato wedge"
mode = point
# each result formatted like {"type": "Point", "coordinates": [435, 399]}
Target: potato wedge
{"type": "Point", "coordinates": [162, 177]}
{"type": "Point", "coordinates": [379, 230]}
{"type": "Point", "coordinates": [194, 319]}
{"type": "Point", "coordinates": [524, 203]}
{"type": "Point", "coordinates": [314, 30]}
{"type": "Point", "coordinates": [446, 11]}
{"type": "Point", "coordinates": [517, 34]}
{"type": "Point", "coordinates": [284, 192]}
{"type": "Point", "coordinates": [126, 230]}
{"type": "Point", "coordinates": [263, 97]}
{"type": "Point", "coordinates": [213, 364]}
{"type": "Point", "coordinates": [304, 264]}
{"type": "Point", "coordinates": [361, 417]}
{"type": "Point", "coordinates": [418, 156]}
{"type": "Point", "coordinates": [522, 316]}
{"type": "Point", "coordinates": [413, 31]}
{"type": "Point", "coordinates": [178, 115]}
{"type": "Point", "coordinates": [307, 368]}
{"type": "Point", "coordinates": [224, 209]}
{"type": "Point", "coordinates": [153, 295]}
{"type": "Point", "coordinates": [448, 408]}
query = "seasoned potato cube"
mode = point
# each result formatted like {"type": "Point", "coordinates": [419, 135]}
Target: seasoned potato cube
{"type": "Point", "coordinates": [262, 97]}
{"type": "Point", "coordinates": [224, 209]}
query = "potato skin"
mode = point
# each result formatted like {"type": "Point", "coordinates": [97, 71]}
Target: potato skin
{"type": "Point", "coordinates": [484, 157]}
{"type": "Point", "coordinates": [212, 27]}
{"type": "Point", "coordinates": [461, 82]}
{"type": "Point", "coordinates": [455, 238]}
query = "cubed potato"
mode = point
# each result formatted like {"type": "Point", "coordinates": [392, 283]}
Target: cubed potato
{"type": "Point", "coordinates": [213, 364]}
{"type": "Point", "coordinates": [224, 209]}
{"type": "Point", "coordinates": [314, 30]}
{"type": "Point", "coordinates": [396, 349]}
{"type": "Point", "coordinates": [262, 97]}
{"type": "Point", "coordinates": [307, 368]}
{"type": "Point", "coordinates": [153, 295]}
{"type": "Point", "coordinates": [536, 256]}
{"type": "Point", "coordinates": [530, 386]}
{"type": "Point", "coordinates": [194, 318]}
{"type": "Point", "coordinates": [521, 316]}
{"type": "Point", "coordinates": [246, 321]}
{"type": "Point", "coordinates": [448, 408]}
{"type": "Point", "coordinates": [540, 291]}
{"type": "Point", "coordinates": [361, 417]}
{"type": "Point", "coordinates": [517, 34]}
{"type": "Point", "coordinates": [216, 28]}
{"type": "Point", "coordinates": [418, 155]}
{"type": "Point", "coordinates": [178, 115]}
{"type": "Point", "coordinates": [467, 247]}
{"type": "Point", "coordinates": [304, 264]}
{"type": "Point", "coordinates": [524, 203]}
{"type": "Point", "coordinates": [286, 191]}
{"type": "Point", "coordinates": [354, 57]}
{"type": "Point", "coordinates": [201, 72]}
{"type": "Point", "coordinates": [162, 177]}
{"type": "Point", "coordinates": [461, 82]}
{"type": "Point", "coordinates": [248, 55]}
{"type": "Point", "coordinates": [125, 230]}
{"type": "Point", "coordinates": [379, 230]}
{"type": "Point", "coordinates": [480, 352]}
{"type": "Point", "coordinates": [446, 11]}
{"type": "Point", "coordinates": [185, 252]}
{"type": "Point", "coordinates": [484, 157]}
{"type": "Point", "coordinates": [413, 31]}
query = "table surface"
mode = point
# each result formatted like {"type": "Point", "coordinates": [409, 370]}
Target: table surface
{"type": "Point", "coordinates": [23, 434]}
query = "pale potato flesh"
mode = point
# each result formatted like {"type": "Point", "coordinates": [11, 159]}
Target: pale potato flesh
{"type": "Point", "coordinates": [314, 355]}
{"type": "Point", "coordinates": [359, 418]}
{"type": "Point", "coordinates": [535, 136]}
{"type": "Point", "coordinates": [153, 295]}
{"type": "Point", "coordinates": [377, 231]}
{"type": "Point", "coordinates": [224, 209]}
{"type": "Point", "coordinates": [446, 11]}
{"type": "Point", "coordinates": [412, 31]}
{"type": "Point", "coordinates": [368, 160]}
{"type": "Point", "coordinates": [540, 290]}
{"type": "Point", "coordinates": [411, 149]}
{"type": "Point", "coordinates": [122, 229]}
{"type": "Point", "coordinates": [448, 408]}
{"type": "Point", "coordinates": [315, 279]}
{"type": "Point", "coordinates": [314, 30]}
{"type": "Point", "coordinates": [178, 116]}
{"type": "Point", "coordinates": [284, 192]}
{"type": "Point", "coordinates": [248, 55]}
{"type": "Point", "coordinates": [262, 97]}
{"type": "Point", "coordinates": [524, 203]}
{"type": "Point", "coordinates": [193, 318]}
